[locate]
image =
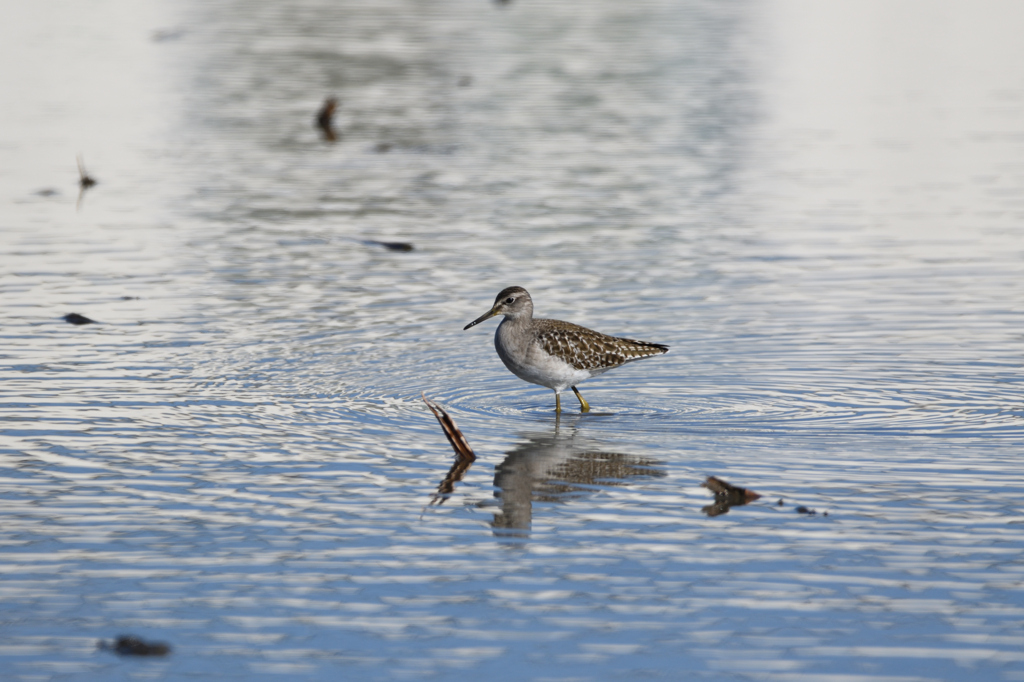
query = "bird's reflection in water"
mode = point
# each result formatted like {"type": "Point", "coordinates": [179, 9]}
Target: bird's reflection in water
{"type": "Point", "coordinates": [547, 467]}
{"type": "Point", "coordinates": [557, 467]}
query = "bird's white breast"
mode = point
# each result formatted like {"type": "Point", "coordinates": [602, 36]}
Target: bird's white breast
{"type": "Point", "coordinates": [524, 357]}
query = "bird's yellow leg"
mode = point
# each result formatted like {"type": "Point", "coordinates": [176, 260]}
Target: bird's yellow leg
{"type": "Point", "coordinates": [558, 403]}
{"type": "Point", "coordinates": [584, 407]}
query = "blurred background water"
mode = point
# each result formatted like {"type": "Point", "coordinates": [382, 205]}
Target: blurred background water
{"type": "Point", "coordinates": [817, 205]}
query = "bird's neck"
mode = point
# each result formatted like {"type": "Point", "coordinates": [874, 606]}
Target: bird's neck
{"type": "Point", "coordinates": [521, 319]}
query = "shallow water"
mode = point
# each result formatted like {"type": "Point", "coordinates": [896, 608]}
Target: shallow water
{"type": "Point", "coordinates": [818, 206]}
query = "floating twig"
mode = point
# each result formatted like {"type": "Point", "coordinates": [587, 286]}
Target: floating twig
{"type": "Point", "coordinates": [464, 455]}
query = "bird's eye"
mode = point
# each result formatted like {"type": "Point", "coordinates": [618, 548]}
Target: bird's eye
{"type": "Point", "coordinates": [510, 300]}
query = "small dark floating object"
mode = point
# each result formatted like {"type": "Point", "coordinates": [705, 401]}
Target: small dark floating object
{"type": "Point", "coordinates": [779, 503]}
{"type": "Point", "coordinates": [383, 147]}
{"type": "Point", "coordinates": [805, 510]}
{"type": "Point", "coordinates": [47, 192]}
{"type": "Point", "coordinates": [129, 645]}
{"type": "Point", "coordinates": [325, 119]}
{"type": "Point", "coordinates": [726, 495]}
{"type": "Point", "coordinates": [85, 181]}
{"type": "Point", "coordinates": [393, 246]}
{"type": "Point", "coordinates": [465, 81]}
{"type": "Point", "coordinates": [129, 298]}
{"type": "Point", "coordinates": [75, 318]}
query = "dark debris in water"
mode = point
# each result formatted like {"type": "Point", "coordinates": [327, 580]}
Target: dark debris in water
{"type": "Point", "coordinates": [392, 246]}
{"type": "Point", "coordinates": [325, 119]}
{"type": "Point", "coordinates": [808, 511]}
{"type": "Point", "coordinates": [130, 645]}
{"type": "Point", "coordinates": [75, 318]}
{"type": "Point", "coordinates": [85, 181]}
{"type": "Point", "coordinates": [727, 496]}
{"type": "Point", "coordinates": [801, 509]}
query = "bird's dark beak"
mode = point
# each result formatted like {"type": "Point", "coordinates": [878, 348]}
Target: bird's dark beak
{"type": "Point", "coordinates": [489, 314]}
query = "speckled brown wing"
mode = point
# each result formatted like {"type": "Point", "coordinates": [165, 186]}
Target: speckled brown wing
{"type": "Point", "coordinates": [586, 349]}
